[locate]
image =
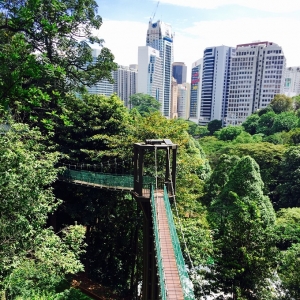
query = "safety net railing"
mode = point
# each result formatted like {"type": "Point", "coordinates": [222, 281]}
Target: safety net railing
{"type": "Point", "coordinates": [161, 274]}
{"type": "Point", "coordinates": [105, 179]}
{"type": "Point", "coordinates": [186, 283]}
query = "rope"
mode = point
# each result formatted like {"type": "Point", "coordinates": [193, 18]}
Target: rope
{"type": "Point", "coordinates": [180, 225]}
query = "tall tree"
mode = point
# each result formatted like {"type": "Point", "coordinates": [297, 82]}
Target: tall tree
{"type": "Point", "coordinates": [26, 244]}
{"type": "Point", "coordinates": [281, 103]}
{"type": "Point", "coordinates": [242, 220]}
{"type": "Point", "coordinates": [49, 54]}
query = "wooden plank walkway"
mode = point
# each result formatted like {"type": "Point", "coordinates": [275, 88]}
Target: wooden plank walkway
{"type": "Point", "coordinates": [172, 280]}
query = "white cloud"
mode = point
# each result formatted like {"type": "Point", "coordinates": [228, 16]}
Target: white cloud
{"type": "Point", "coordinates": [190, 42]}
{"type": "Point", "coordinates": [123, 38]}
{"type": "Point", "coordinates": [265, 5]}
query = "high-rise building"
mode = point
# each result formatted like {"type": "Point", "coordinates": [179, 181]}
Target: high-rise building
{"type": "Point", "coordinates": [150, 73]}
{"type": "Point", "coordinates": [174, 96]}
{"type": "Point", "coordinates": [215, 83]}
{"type": "Point", "coordinates": [257, 75]}
{"type": "Point", "coordinates": [179, 72]}
{"type": "Point", "coordinates": [292, 81]}
{"type": "Point", "coordinates": [195, 94]}
{"type": "Point", "coordinates": [125, 83]}
{"type": "Point", "coordinates": [160, 37]}
{"type": "Point", "coordinates": [183, 101]}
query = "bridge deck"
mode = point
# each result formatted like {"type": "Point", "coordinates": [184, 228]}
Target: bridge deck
{"type": "Point", "coordinates": [172, 280]}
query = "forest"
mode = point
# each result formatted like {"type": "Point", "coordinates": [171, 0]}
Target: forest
{"type": "Point", "coordinates": [237, 192]}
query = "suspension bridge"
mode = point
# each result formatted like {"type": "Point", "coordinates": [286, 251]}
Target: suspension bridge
{"type": "Point", "coordinates": [164, 271]}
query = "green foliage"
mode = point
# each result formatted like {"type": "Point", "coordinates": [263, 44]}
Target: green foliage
{"type": "Point", "coordinates": [251, 123]}
{"type": "Point", "coordinates": [144, 103]}
{"type": "Point", "coordinates": [99, 128]}
{"type": "Point", "coordinates": [288, 227]}
{"type": "Point", "coordinates": [229, 133]}
{"type": "Point", "coordinates": [275, 139]}
{"type": "Point", "coordinates": [296, 102]}
{"type": "Point", "coordinates": [284, 121]}
{"type": "Point", "coordinates": [265, 110]}
{"type": "Point", "coordinates": [35, 257]}
{"type": "Point", "coordinates": [219, 178]}
{"type": "Point", "coordinates": [289, 189]}
{"type": "Point", "coordinates": [242, 220]}
{"type": "Point", "coordinates": [214, 126]}
{"type": "Point", "coordinates": [295, 136]}
{"type": "Point", "coordinates": [289, 271]}
{"type": "Point", "coordinates": [245, 138]}
{"type": "Point", "coordinates": [281, 103]}
{"type": "Point", "coordinates": [44, 58]}
{"type": "Point", "coordinates": [265, 123]}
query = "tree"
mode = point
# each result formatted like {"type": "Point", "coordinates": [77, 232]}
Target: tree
{"type": "Point", "coordinates": [289, 271]}
{"type": "Point", "coordinates": [213, 126]}
{"type": "Point", "coordinates": [288, 227]}
{"type": "Point", "coordinates": [251, 123]}
{"type": "Point", "coordinates": [219, 178]}
{"type": "Point", "coordinates": [144, 103]}
{"type": "Point", "coordinates": [49, 55]}
{"type": "Point", "coordinates": [281, 103]}
{"type": "Point", "coordinates": [229, 133]}
{"type": "Point", "coordinates": [296, 102]}
{"type": "Point", "coordinates": [99, 129]}
{"type": "Point", "coordinates": [26, 244]}
{"type": "Point", "coordinates": [242, 220]}
{"type": "Point", "coordinates": [289, 188]}
{"type": "Point", "coordinates": [284, 121]}
{"type": "Point", "coordinates": [265, 123]}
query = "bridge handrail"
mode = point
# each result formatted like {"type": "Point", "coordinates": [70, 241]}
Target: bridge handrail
{"type": "Point", "coordinates": [161, 275]}
{"type": "Point", "coordinates": [186, 283]}
{"type": "Point", "coordinates": [106, 179]}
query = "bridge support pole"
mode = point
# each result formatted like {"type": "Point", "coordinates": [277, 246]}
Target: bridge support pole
{"type": "Point", "coordinates": [141, 192]}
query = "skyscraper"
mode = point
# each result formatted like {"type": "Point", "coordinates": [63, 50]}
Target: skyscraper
{"type": "Point", "coordinates": [160, 37]}
{"type": "Point", "coordinates": [195, 94]}
{"type": "Point", "coordinates": [215, 83]}
{"type": "Point", "coordinates": [257, 75]}
{"type": "Point", "coordinates": [125, 83]}
{"type": "Point", "coordinates": [179, 72]}
{"type": "Point", "coordinates": [150, 73]}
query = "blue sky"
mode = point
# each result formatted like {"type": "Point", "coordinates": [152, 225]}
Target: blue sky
{"type": "Point", "coordinates": [199, 24]}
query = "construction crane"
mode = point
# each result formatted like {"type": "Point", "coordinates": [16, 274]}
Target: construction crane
{"type": "Point", "coordinates": [155, 11]}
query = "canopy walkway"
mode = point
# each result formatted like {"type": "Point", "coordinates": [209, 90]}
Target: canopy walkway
{"type": "Point", "coordinates": [165, 275]}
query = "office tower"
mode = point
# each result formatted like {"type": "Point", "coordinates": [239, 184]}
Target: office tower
{"type": "Point", "coordinates": [215, 83]}
{"type": "Point", "coordinates": [179, 72]}
{"type": "Point", "coordinates": [150, 73]}
{"type": "Point", "coordinates": [195, 94]}
{"type": "Point", "coordinates": [292, 81]}
{"type": "Point", "coordinates": [160, 37]}
{"type": "Point", "coordinates": [257, 75]}
{"type": "Point", "coordinates": [125, 83]}
{"type": "Point", "coordinates": [103, 87]}
{"type": "Point", "coordinates": [183, 100]}
{"type": "Point", "coordinates": [174, 96]}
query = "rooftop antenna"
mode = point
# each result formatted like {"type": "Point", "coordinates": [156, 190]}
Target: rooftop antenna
{"type": "Point", "coordinates": [155, 11]}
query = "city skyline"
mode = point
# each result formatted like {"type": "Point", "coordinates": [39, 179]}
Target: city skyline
{"type": "Point", "coordinates": [199, 25]}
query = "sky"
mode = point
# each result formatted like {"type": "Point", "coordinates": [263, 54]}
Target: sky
{"type": "Point", "coordinates": [199, 24]}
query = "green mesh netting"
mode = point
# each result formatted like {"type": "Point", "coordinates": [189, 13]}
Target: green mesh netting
{"type": "Point", "coordinates": [187, 286]}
